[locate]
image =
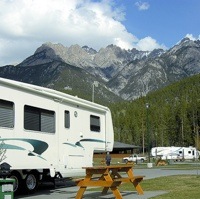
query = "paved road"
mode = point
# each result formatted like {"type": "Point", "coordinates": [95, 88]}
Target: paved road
{"type": "Point", "coordinates": [67, 190]}
{"type": "Point", "coordinates": [155, 173]}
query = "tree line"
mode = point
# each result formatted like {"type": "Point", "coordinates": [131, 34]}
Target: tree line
{"type": "Point", "coordinates": [166, 117]}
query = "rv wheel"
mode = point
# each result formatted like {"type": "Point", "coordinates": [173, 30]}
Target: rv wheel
{"type": "Point", "coordinates": [18, 182]}
{"type": "Point", "coordinates": [31, 181]}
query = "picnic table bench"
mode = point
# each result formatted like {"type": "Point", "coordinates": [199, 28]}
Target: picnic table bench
{"type": "Point", "coordinates": [108, 177]}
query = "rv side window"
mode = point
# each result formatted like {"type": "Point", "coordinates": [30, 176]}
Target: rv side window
{"type": "Point", "coordinates": [94, 123]}
{"type": "Point", "coordinates": [67, 119]}
{"type": "Point", "coordinates": [6, 114]}
{"type": "Point", "coordinates": [38, 119]}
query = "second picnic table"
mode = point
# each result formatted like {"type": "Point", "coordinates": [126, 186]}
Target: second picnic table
{"type": "Point", "coordinates": [108, 177]}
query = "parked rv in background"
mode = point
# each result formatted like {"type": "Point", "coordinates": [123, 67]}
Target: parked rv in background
{"type": "Point", "coordinates": [175, 153]}
{"type": "Point", "coordinates": [49, 134]}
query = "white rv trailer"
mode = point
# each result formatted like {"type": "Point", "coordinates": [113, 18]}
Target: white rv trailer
{"type": "Point", "coordinates": [47, 133]}
{"type": "Point", "coordinates": [175, 153]}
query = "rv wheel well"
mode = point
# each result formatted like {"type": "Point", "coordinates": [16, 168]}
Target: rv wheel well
{"type": "Point", "coordinates": [25, 172]}
{"type": "Point", "coordinates": [16, 175]}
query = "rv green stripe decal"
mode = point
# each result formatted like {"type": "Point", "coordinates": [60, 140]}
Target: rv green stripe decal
{"type": "Point", "coordinates": [92, 140]}
{"type": "Point", "coordinates": [10, 146]}
{"type": "Point", "coordinates": [38, 145]}
{"type": "Point", "coordinates": [78, 144]}
{"type": "Point", "coordinates": [73, 145]}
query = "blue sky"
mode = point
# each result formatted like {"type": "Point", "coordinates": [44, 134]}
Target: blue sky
{"type": "Point", "coordinates": [26, 24]}
{"type": "Point", "coordinates": [167, 21]}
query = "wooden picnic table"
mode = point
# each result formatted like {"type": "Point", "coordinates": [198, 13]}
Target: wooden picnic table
{"type": "Point", "coordinates": [108, 177]}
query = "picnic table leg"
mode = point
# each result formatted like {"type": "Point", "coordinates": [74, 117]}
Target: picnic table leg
{"type": "Point", "coordinates": [106, 176]}
{"type": "Point", "coordinates": [116, 192]}
{"type": "Point", "coordinates": [105, 189]}
{"type": "Point", "coordinates": [137, 186]}
{"type": "Point", "coordinates": [135, 182]}
{"type": "Point", "coordinates": [114, 189]}
{"type": "Point", "coordinates": [82, 189]}
{"type": "Point", "coordinates": [80, 192]}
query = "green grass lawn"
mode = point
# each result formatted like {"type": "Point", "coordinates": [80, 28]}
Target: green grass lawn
{"type": "Point", "coordinates": [177, 187]}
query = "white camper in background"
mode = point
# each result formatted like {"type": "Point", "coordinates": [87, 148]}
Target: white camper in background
{"type": "Point", "coordinates": [175, 153]}
{"type": "Point", "coordinates": [47, 133]}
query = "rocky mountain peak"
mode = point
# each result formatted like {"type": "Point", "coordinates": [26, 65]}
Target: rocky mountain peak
{"type": "Point", "coordinates": [57, 48]}
{"type": "Point", "coordinates": [110, 60]}
{"type": "Point", "coordinates": [186, 39]}
{"type": "Point", "coordinates": [128, 73]}
{"type": "Point", "coordinates": [89, 50]}
{"type": "Point", "coordinates": [156, 53]}
{"type": "Point", "coordinates": [76, 52]}
{"type": "Point", "coordinates": [46, 53]}
{"type": "Point", "coordinates": [184, 43]}
{"type": "Point", "coordinates": [188, 42]}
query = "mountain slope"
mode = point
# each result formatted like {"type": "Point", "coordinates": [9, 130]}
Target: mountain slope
{"type": "Point", "coordinates": [126, 73]}
{"type": "Point", "coordinates": [142, 76]}
{"type": "Point", "coordinates": [63, 77]}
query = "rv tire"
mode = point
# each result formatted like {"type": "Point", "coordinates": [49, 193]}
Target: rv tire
{"type": "Point", "coordinates": [17, 186]}
{"type": "Point", "coordinates": [31, 181]}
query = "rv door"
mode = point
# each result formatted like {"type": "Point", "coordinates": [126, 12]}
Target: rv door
{"type": "Point", "coordinates": [74, 151]}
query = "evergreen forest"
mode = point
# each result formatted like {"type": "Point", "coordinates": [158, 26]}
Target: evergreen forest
{"type": "Point", "coordinates": [166, 117]}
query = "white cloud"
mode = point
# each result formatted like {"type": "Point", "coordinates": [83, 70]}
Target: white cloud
{"type": "Point", "coordinates": [26, 24]}
{"type": "Point", "coordinates": [149, 44]}
{"type": "Point", "coordinates": [142, 5]}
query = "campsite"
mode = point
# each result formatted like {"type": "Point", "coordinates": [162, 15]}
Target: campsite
{"type": "Point", "coordinates": [178, 180]}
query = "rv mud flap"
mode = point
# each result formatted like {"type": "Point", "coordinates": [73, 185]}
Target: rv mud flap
{"type": "Point", "coordinates": [52, 172]}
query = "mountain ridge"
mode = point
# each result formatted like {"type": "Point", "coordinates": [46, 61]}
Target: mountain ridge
{"type": "Point", "coordinates": [128, 74]}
